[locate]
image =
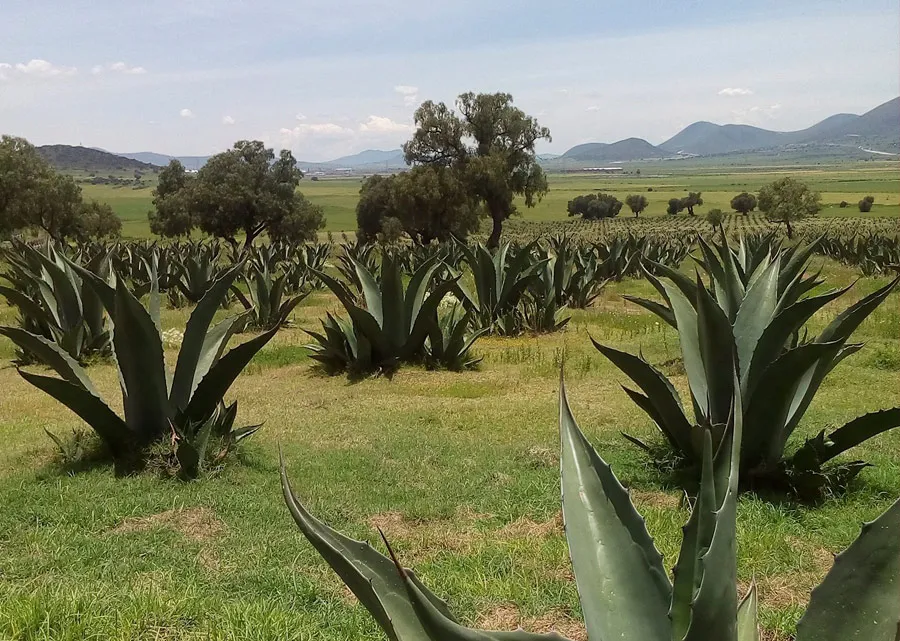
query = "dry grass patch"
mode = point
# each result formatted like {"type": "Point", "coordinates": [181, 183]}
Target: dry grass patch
{"type": "Point", "coordinates": [197, 524]}
{"type": "Point", "coordinates": [508, 617]}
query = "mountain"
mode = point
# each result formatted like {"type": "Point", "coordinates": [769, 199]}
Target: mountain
{"type": "Point", "coordinates": [876, 128]}
{"type": "Point", "coordinates": [370, 157]}
{"type": "Point", "coordinates": [628, 149]}
{"type": "Point", "coordinates": [71, 158]}
{"type": "Point", "coordinates": [161, 160]}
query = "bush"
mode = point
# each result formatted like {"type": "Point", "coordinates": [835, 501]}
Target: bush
{"type": "Point", "coordinates": [843, 204]}
{"type": "Point", "coordinates": [865, 206]}
{"type": "Point", "coordinates": [594, 206]}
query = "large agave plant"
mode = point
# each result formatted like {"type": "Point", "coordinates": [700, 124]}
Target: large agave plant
{"type": "Point", "coordinates": [194, 272]}
{"type": "Point", "coordinates": [265, 301]}
{"type": "Point", "coordinates": [625, 590]}
{"type": "Point", "coordinates": [501, 281]}
{"type": "Point", "coordinates": [54, 302]}
{"type": "Point", "coordinates": [155, 400]}
{"type": "Point", "coordinates": [450, 340]}
{"type": "Point", "coordinates": [393, 326]}
{"type": "Point", "coordinates": [756, 306]}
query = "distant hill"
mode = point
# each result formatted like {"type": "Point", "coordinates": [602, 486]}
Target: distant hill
{"type": "Point", "coordinates": [628, 149]}
{"type": "Point", "coordinates": [71, 158]}
{"type": "Point", "coordinates": [370, 160]}
{"type": "Point", "coordinates": [161, 160]}
{"type": "Point", "coordinates": [877, 128]}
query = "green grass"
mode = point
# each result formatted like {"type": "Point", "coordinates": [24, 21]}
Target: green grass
{"type": "Point", "coordinates": [459, 469]}
{"type": "Point", "coordinates": [848, 181]}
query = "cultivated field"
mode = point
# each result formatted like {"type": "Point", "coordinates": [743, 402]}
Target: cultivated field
{"type": "Point", "coordinates": [460, 470]}
{"type": "Point", "coordinates": [849, 182]}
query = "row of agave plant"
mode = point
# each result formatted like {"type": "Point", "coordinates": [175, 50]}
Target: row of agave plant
{"type": "Point", "coordinates": [871, 252]}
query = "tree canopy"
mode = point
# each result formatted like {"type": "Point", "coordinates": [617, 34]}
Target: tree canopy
{"type": "Point", "coordinates": [743, 203]}
{"type": "Point", "coordinates": [865, 205]}
{"type": "Point", "coordinates": [594, 206]}
{"type": "Point", "coordinates": [245, 190]}
{"type": "Point", "coordinates": [693, 199]}
{"type": "Point", "coordinates": [490, 144]}
{"type": "Point", "coordinates": [429, 203]}
{"type": "Point", "coordinates": [636, 203]}
{"type": "Point", "coordinates": [676, 206]}
{"type": "Point", "coordinates": [34, 196]}
{"type": "Point", "coordinates": [788, 200]}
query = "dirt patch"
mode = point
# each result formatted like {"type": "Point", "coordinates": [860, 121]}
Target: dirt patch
{"type": "Point", "coordinates": [659, 500]}
{"type": "Point", "coordinates": [196, 524]}
{"type": "Point", "coordinates": [456, 533]}
{"type": "Point", "coordinates": [508, 617]}
{"type": "Point", "coordinates": [542, 457]}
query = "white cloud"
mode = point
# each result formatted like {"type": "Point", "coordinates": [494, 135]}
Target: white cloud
{"type": "Point", "coordinates": [227, 120]}
{"type": "Point", "coordinates": [380, 124]}
{"type": "Point", "coordinates": [35, 68]}
{"type": "Point", "coordinates": [97, 70]}
{"type": "Point", "coordinates": [410, 94]}
{"type": "Point", "coordinates": [756, 115]}
{"type": "Point", "coordinates": [593, 108]}
{"type": "Point", "coordinates": [321, 130]}
{"type": "Point", "coordinates": [300, 117]}
{"type": "Point", "coordinates": [121, 67]}
{"type": "Point", "coordinates": [735, 91]}
{"type": "Point", "coordinates": [186, 113]}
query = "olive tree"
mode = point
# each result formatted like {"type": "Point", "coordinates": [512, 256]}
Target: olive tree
{"type": "Point", "coordinates": [788, 200]}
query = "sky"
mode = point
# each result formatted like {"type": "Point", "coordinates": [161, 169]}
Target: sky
{"type": "Point", "coordinates": [326, 79]}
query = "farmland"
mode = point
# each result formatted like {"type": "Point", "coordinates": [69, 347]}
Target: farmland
{"type": "Point", "coordinates": [840, 182]}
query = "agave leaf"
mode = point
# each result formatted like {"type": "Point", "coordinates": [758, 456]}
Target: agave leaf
{"type": "Point", "coordinates": [747, 626]}
{"type": "Point", "coordinates": [662, 396]}
{"type": "Point", "coordinates": [847, 321]}
{"type": "Point", "coordinates": [371, 576]}
{"type": "Point", "coordinates": [622, 583]}
{"type": "Point", "coordinates": [775, 336]}
{"type": "Point", "coordinates": [65, 294]}
{"type": "Point", "coordinates": [754, 315]}
{"type": "Point", "coordinates": [858, 430]}
{"type": "Point", "coordinates": [368, 326]}
{"type": "Point", "coordinates": [212, 387]}
{"type": "Point", "coordinates": [50, 354]}
{"type": "Point", "coordinates": [90, 408]}
{"type": "Point", "coordinates": [686, 321]}
{"type": "Point", "coordinates": [426, 316]}
{"type": "Point", "coordinates": [416, 290]}
{"type": "Point", "coordinates": [395, 324]}
{"type": "Point", "coordinates": [371, 291]}
{"type": "Point", "coordinates": [139, 354]}
{"type": "Point", "coordinates": [660, 310]}
{"type": "Point", "coordinates": [194, 345]}
{"type": "Point", "coordinates": [859, 600]}
{"type": "Point", "coordinates": [27, 306]}
{"type": "Point", "coordinates": [717, 349]}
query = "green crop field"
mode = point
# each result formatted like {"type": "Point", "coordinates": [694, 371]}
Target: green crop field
{"type": "Point", "coordinates": [847, 182]}
{"type": "Point", "coordinates": [460, 471]}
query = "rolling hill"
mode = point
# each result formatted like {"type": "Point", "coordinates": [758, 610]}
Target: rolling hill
{"type": "Point", "coordinates": [161, 160]}
{"type": "Point", "coordinates": [72, 158]}
{"type": "Point", "coordinates": [877, 128]}
{"type": "Point", "coordinates": [628, 149]}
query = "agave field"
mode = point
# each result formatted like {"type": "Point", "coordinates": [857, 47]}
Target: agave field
{"type": "Point", "coordinates": [192, 435]}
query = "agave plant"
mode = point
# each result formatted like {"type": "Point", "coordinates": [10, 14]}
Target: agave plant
{"type": "Point", "coordinates": [193, 440]}
{"type": "Point", "coordinates": [54, 302]}
{"type": "Point", "coordinates": [756, 308]}
{"type": "Point", "coordinates": [625, 590]}
{"type": "Point", "coordinates": [266, 303]}
{"type": "Point", "coordinates": [195, 272]}
{"type": "Point", "coordinates": [501, 281]}
{"type": "Point", "coordinates": [450, 340]}
{"type": "Point", "coordinates": [155, 400]}
{"type": "Point", "coordinates": [542, 310]}
{"type": "Point", "coordinates": [394, 325]}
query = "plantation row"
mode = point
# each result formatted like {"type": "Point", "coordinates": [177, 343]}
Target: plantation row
{"type": "Point", "coordinates": [752, 372]}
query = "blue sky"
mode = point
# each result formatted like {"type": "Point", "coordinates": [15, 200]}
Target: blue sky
{"type": "Point", "coordinates": [331, 78]}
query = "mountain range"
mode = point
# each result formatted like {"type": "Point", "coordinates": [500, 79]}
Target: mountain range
{"type": "Point", "coordinates": [874, 132]}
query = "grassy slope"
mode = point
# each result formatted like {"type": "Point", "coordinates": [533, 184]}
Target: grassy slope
{"type": "Point", "coordinates": [837, 183]}
{"type": "Point", "coordinates": [459, 470]}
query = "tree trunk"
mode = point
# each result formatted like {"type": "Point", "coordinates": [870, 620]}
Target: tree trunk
{"type": "Point", "coordinates": [790, 230]}
{"type": "Point", "coordinates": [494, 238]}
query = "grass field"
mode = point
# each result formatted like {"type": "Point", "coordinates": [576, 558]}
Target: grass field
{"type": "Point", "coordinates": [836, 183]}
{"type": "Point", "coordinates": [460, 470]}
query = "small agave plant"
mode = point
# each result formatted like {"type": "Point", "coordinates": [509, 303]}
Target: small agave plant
{"type": "Point", "coordinates": [156, 402]}
{"type": "Point", "coordinates": [625, 590]}
{"type": "Point", "coordinates": [265, 302]}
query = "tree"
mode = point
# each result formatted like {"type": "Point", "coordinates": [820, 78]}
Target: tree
{"type": "Point", "coordinates": [788, 200]}
{"type": "Point", "coordinates": [716, 218]}
{"type": "Point", "coordinates": [22, 170]}
{"type": "Point", "coordinates": [98, 220]}
{"type": "Point", "coordinates": [743, 203]}
{"type": "Point", "coordinates": [55, 206]}
{"type": "Point", "coordinates": [594, 206]}
{"type": "Point", "coordinates": [173, 215]}
{"type": "Point", "coordinates": [676, 206]}
{"type": "Point", "coordinates": [245, 190]}
{"type": "Point", "coordinates": [430, 202]}
{"type": "Point", "coordinates": [637, 203]}
{"type": "Point", "coordinates": [690, 201]}
{"type": "Point", "coordinates": [490, 143]}
{"type": "Point", "coordinates": [865, 205]}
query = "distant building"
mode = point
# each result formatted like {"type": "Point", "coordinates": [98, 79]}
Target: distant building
{"type": "Point", "coordinates": [604, 170]}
